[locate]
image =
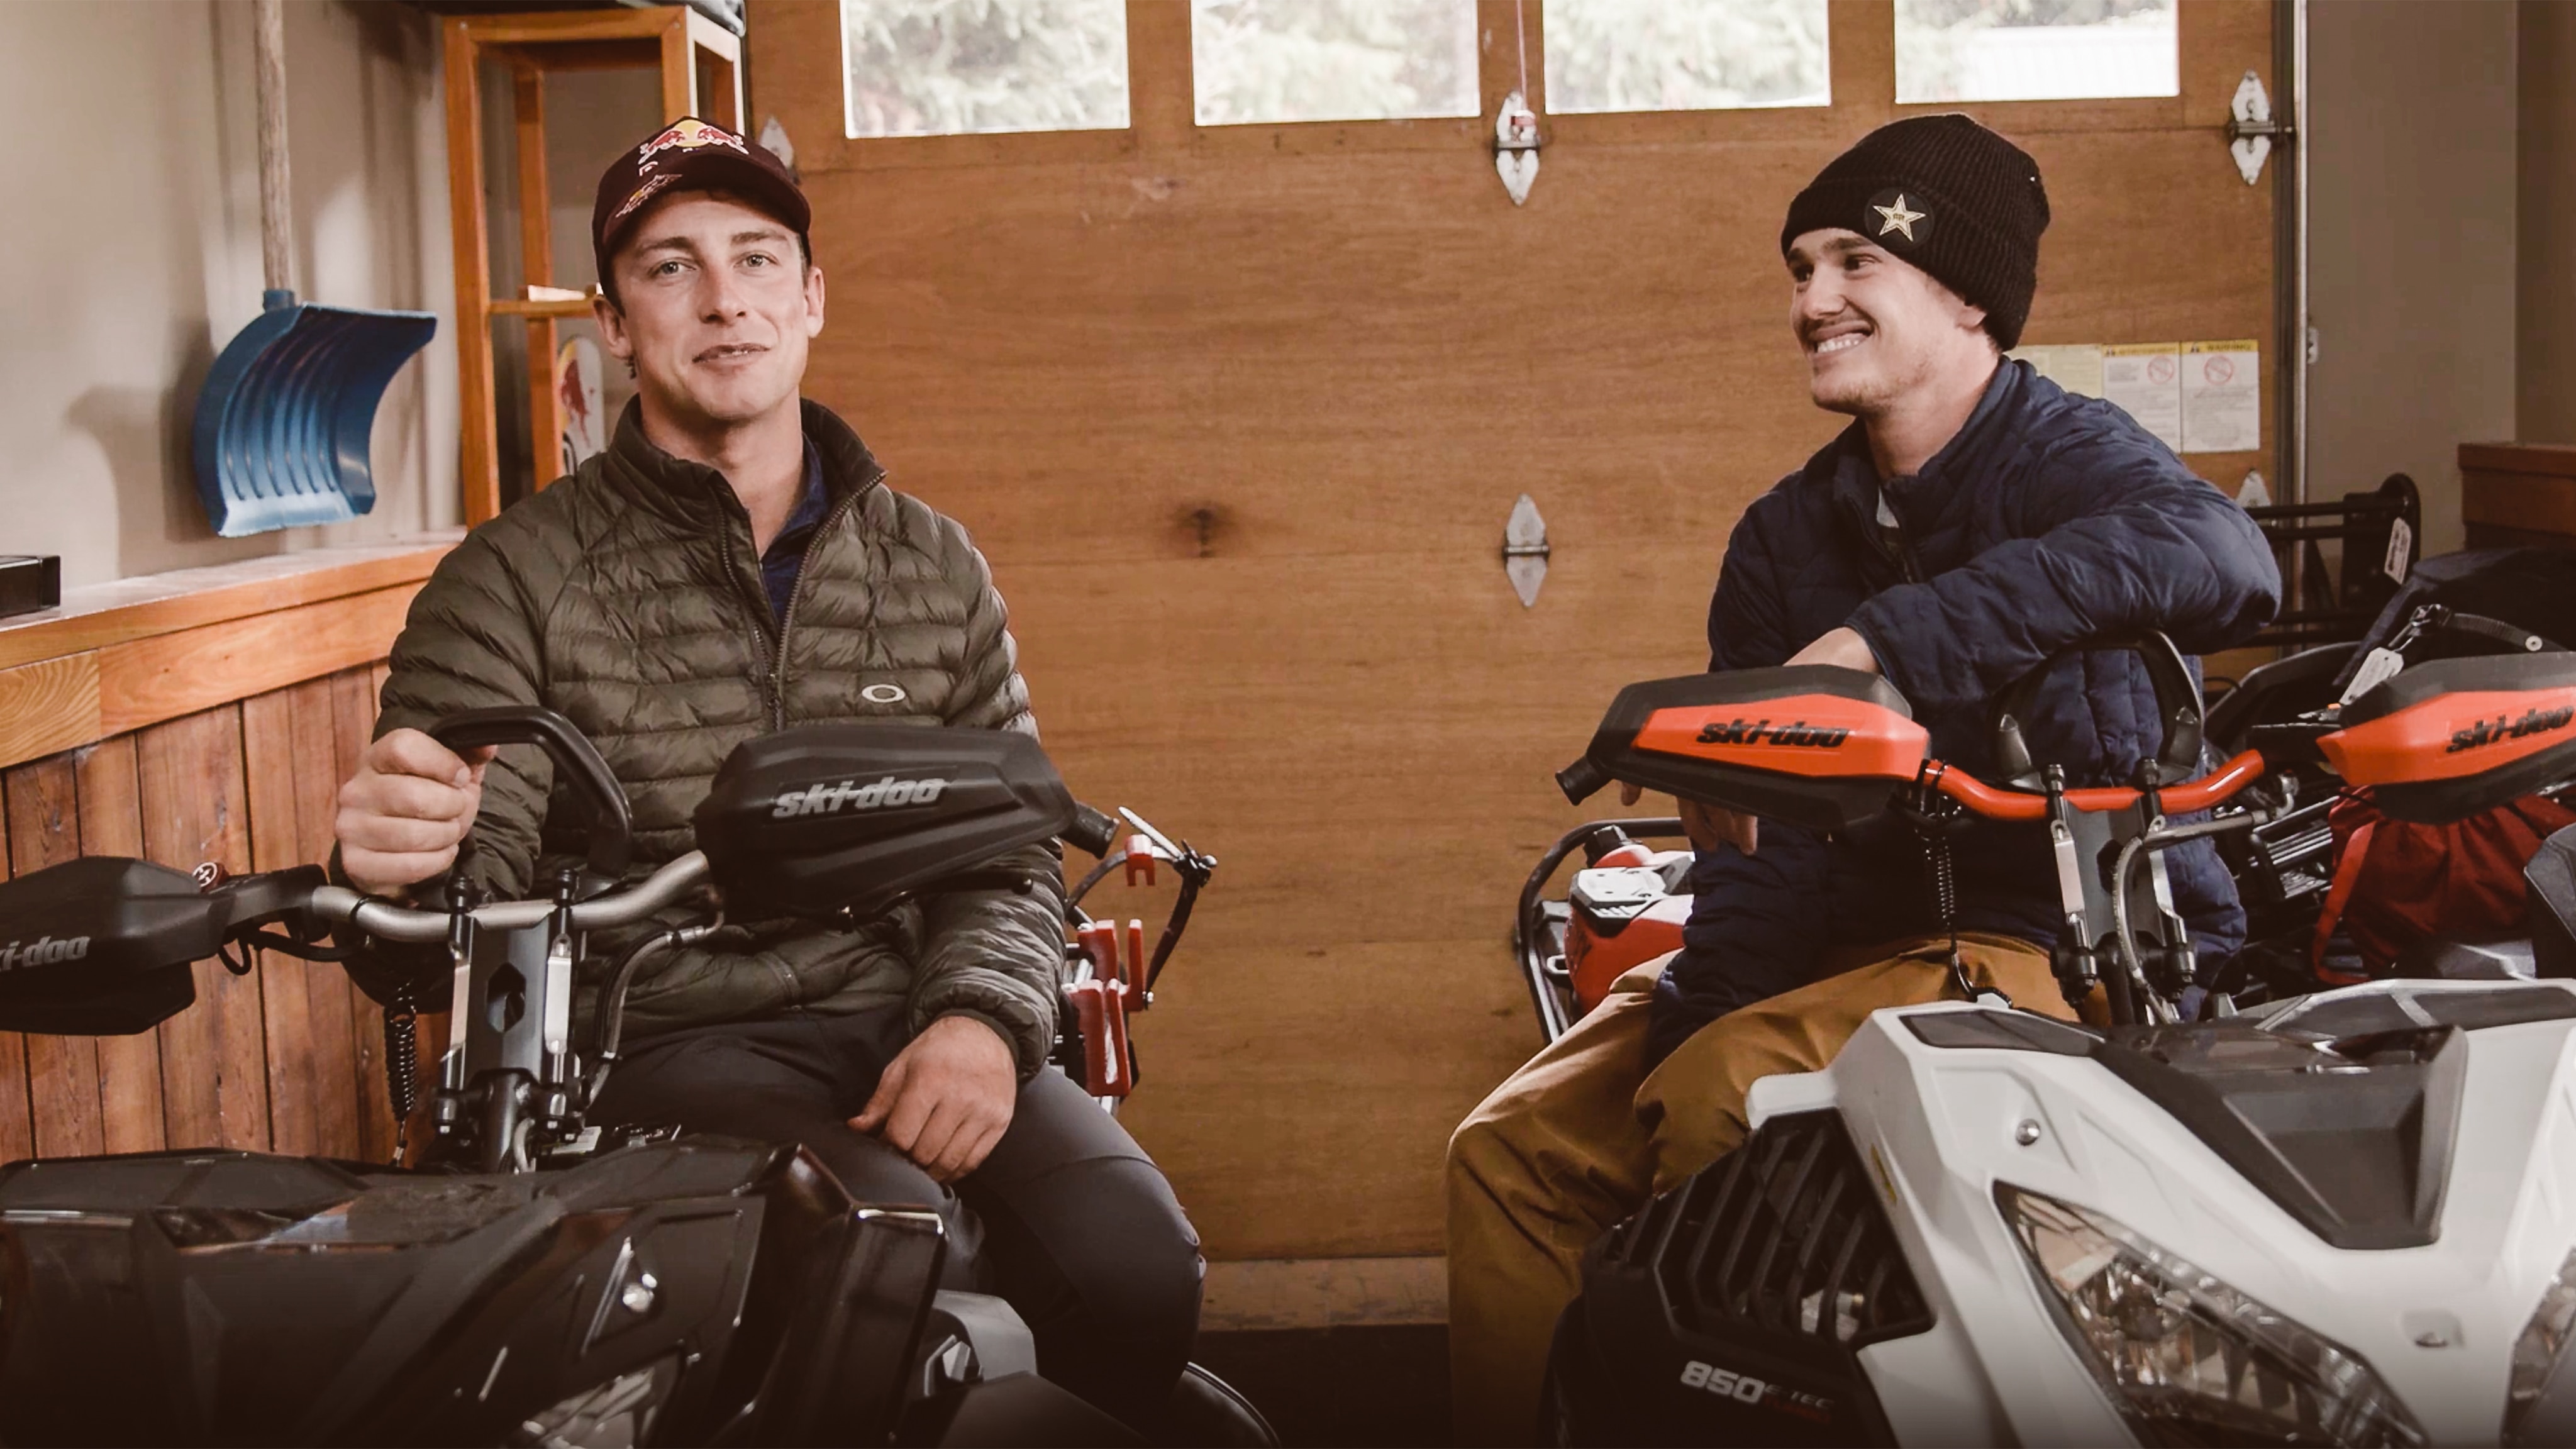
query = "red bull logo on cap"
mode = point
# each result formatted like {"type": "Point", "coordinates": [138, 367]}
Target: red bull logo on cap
{"type": "Point", "coordinates": [643, 194]}
{"type": "Point", "coordinates": [687, 134]}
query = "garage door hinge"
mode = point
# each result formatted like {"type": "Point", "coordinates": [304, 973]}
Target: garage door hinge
{"type": "Point", "coordinates": [1525, 551]}
{"type": "Point", "coordinates": [2251, 129]}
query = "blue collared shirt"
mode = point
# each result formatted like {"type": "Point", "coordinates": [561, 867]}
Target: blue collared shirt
{"type": "Point", "coordinates": [784, 559]}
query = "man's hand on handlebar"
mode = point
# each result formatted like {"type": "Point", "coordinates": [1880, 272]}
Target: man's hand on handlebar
{"type": "Point", "coordinates": [407, 809]}
{"type": "Point", "coordinates": [1708, 826]}
{"type": "Point", "coordinates": [946, 1098]}
{"type": "Point", "coordinates": [1842, 647]}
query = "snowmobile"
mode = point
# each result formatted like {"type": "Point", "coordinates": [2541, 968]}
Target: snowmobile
{"type": "Point", "coordinates": [2188, 1223]}
{"type": "Point", "coordinates": [534, 1277]}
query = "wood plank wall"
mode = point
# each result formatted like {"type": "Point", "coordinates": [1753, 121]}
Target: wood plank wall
{"type": "Point", "coordinates": [1238, 414]}
{"type": "Point", "coordinates": [286, 1059]}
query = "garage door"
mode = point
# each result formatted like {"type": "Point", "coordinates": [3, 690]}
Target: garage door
{"type": "Point", "coordinates": [1238, 412]}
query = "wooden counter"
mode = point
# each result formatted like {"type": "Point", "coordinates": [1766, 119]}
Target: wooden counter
{"type": "Point", "coordinates": [115, 657]}
{"type": "Point", "coordinates": [2518, 493]}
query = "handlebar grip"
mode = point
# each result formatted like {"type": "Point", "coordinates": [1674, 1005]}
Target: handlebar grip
{"type": "Point", "coordinates": [1092, 831]}
{"type": "Point", "coordinates": [1581, 780]}
{"type": "Point", "coordinates": [575, 758]}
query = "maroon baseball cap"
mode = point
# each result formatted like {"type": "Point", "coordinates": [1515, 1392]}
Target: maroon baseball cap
{"type": "Point", "coordinates": [691, 155]}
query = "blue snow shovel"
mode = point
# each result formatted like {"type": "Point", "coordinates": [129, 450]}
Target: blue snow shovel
{"type": "Point", "coordinates": [282, 422]}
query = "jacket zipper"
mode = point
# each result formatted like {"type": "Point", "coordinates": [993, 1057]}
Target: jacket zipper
{"type": "Point", "coordinates": [804, 571]}
{"type": "Point", "coordinates": [1902, 554]}
{"type": "Point", "coordinates": [759, 630]}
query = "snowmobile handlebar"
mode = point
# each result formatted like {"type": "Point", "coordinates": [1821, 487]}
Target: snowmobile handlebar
{"type": "Point", "coordinates": [576, 760]}
{"type": "Point", "coordinates": [1980, 798]}
{"type": "Point", "coordinates": [1583, 778]}
{"type": "Point", "coordinates": [335, 906]}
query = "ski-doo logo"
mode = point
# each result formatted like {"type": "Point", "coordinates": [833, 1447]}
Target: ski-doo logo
{"type": "Point", "coordinates": [42, 951]}
{"type": "Point", "coordinates": [830, 799]}
{"type": "Point", "coordinates": [2505, 727]}
{"type": "Point", "coordinates": [1746, 1389]}
{"type": "Point", "coordinates": [1763, 732]}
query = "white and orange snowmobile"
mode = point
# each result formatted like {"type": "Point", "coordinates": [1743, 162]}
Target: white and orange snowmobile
{"type": "Point", "coordinates": [2345, 1217]}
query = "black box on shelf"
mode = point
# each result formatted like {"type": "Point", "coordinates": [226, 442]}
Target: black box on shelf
{"type": "Point", "coordinates": [29, 582]}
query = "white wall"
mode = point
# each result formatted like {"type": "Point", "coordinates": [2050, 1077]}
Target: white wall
{"type": "Point", "coordinates": [129, 192]}
{"type": "Point", "coordinates": [2411, 175]}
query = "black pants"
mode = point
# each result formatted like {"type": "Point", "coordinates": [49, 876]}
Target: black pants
{"type": "Point", "coordinates": [1068, 1220]}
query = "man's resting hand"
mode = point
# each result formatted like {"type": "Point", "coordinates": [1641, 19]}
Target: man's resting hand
{"type": "Point", "coordinates": [946, 1098]}
{"type": "Point", "coordinates": [1708, 826]}
{"type": "Point", "coordinates": [406, 810]}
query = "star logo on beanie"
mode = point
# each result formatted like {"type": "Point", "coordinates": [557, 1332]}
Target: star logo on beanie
{"type": "Point", "coordinates": [1896, 218]}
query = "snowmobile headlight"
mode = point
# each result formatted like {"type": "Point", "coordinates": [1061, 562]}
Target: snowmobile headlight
{"type": "Point", "coordinates": [2185, 1358]}
{"type": "Point", "coordinates": [2535, 1356]}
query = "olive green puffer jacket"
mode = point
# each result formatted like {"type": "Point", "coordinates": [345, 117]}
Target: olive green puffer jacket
{"type": "Point", "coordinates": [628, 598]}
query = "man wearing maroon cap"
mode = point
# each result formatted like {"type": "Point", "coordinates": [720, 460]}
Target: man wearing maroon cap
{"type": "Point", "coordinates": [734, 564]}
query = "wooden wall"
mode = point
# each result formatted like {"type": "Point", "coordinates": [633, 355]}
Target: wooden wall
{"type": "Point", "coordinates": [288, 1058]}
{"type": "Point", "coordinates": [203, 715]}
{"type": "Point", "coordinates": [1238, 416]}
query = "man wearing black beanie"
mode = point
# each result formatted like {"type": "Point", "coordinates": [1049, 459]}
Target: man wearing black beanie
{"type": "Point", "coordinates": [1973, 522]}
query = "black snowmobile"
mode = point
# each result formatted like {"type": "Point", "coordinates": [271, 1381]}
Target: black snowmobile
{"type": "Point", "coordinates": [535, 1279]}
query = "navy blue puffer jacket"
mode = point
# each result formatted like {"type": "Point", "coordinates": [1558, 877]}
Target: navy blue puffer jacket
{"type": "Point", "coordinates": [2050, 520]}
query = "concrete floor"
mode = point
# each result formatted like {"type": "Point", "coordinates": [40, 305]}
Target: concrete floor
{"type": "Point", "coordinates": [1355, 1386]}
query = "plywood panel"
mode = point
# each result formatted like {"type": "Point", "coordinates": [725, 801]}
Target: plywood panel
{"type": "Point", "coordinates": [288, 739]}
{"type": "Point", "coordinates": [330, 998]}
{"type": "Point", "coordinates": [129, 1067]}
{"type": "Point", "coordinates": [353, 720]}
{"type": "Point", "coordinates": [17, 1120]}
{"type": "Point", "coordinates": [62, 1071]}
{"type": "Point", "coordinates": [214, 1077]}
{"type": "Point", "coordinates": [1238, 418]}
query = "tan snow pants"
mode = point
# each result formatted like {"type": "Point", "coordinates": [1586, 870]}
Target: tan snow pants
{"type": "Point", "coordinates": [1581, 1135]}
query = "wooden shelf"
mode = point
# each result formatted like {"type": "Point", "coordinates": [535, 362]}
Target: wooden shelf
{"type": "Point", "coordinates": [116, 657]}
{"type": "Point", "coordinates": [701, 71]}
{"type": "Point", "coordinates": [567, 308]}
{"type": "Point", "coordinates": [2555, 459]}
{"type": "Point", "coordinates": [2518, 493]}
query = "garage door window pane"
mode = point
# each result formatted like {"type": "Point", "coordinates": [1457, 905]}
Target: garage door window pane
{"type": "Point", "coordinates": [2034, 50]}
{"type": "Point", "coordinates": [1257, 62]}
{"type": "Point", "coordinates": [1685, 55]}
{"type": "Point", "coordinates": [960, 67]}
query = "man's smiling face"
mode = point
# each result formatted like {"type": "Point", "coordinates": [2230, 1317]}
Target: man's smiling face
{"type": "Point", "coordinates": [1873, 326]}
{"type": "Point", "coordinates": [716, 308]}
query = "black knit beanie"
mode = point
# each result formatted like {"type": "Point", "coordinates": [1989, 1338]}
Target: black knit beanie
{"type": "Point", "coordinates": [1947, 195]}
